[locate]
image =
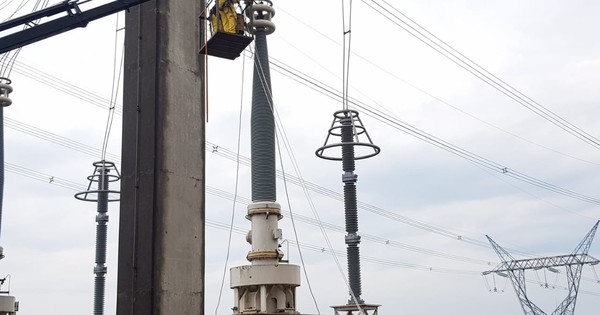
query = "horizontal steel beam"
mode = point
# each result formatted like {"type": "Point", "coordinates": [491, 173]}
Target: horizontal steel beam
{"type": "Point", "coordinates": [545, 262]}
{"type": "Point", "coordinates": [74, 19]}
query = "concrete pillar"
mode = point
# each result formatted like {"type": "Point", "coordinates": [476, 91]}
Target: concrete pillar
{"type": "Point", "coordinates": [161, 233]}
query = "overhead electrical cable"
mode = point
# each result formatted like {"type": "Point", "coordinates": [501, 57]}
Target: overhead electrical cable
{"type": "Point", "coordinates": [225, 153]}
{"type": "Point", "coordinates": [379, 260]}
{"type": "Point", "coordinates": [51, 179]}
{"type": "Point", "coordinates": [5, 4]}
{"type": "Point", "coordinates": [56, 139]}
{"type": "Point", "coordinates": [116, 80]}
{"type": "Point", "coordinates": [371, 259]}
{"type": "Point", "coordinates": [74, 186]}
{"type": "Point", "coordinates": [8, 59]}
{"type": "Point", "coordinates": [366, 236]}
{"type": "Point", "coordinates": [293, 74]}
{"type": "Point", "coordinates": [424, 92]}
{"type": "Point", "coordinates": [347, 52]}
{"type": "Point", "coordinates": [66, 87]}
{"type": "Point", "coordinates": [478, 71]}
{"type": "Point", "coordinates": [235, 188]}
{"type": "Point", "coordinates": [332, 93]}
{"type": "Point", "coordinates": [415, 132]}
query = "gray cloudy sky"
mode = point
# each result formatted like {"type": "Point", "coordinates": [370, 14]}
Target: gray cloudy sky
{"type": "Point", "coordinates": [435, 204]}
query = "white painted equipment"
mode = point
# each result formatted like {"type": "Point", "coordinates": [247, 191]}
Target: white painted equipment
{"type": "Point", "coordinates": [266, 286]}
{"type": "Point", "coordinates": [8, 305]}
{"type": "Point", "coordinates": [5, 90]}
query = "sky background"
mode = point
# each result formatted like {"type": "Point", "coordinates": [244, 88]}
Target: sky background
{"type": "Point", "coordinates": [424, 213]}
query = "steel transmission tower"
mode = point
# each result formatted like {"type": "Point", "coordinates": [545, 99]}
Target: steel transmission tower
{"type": "Point", "coordinates": [573, 263]}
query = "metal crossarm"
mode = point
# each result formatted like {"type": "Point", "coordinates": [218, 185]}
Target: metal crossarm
{"type": "Point", "coordinates": [74, 18]}
{"type": "Point", "coordinates": [547, 262]}
{"type": "Point", "coordinates": [573, 263]}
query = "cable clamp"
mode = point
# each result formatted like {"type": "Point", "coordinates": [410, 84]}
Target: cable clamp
{"type": "Point", "coordinates": [102, 218]}
{"type": "Point", "coordinates": [352, 239]}
{"type": "Point", "coordinates": [349, 177]}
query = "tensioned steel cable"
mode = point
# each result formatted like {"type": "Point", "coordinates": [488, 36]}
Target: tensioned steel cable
{"type": "Point", "coordinates": [66, 87]}
{"type": "Point", "coordinates": [236, 185]}
{"type": "Point", "coordinates": [413, 131]}
{"type": "Point", "coordinates": [96, 97]}
{"type": "Point", "coordinates": [421, 90]}
{"type": "Point", "coordinates": [373, 238]}
{"type": "Point", "coordinates": [26, 172]}
{"type": "Point", "coordinates": [210, 147]}
{"type": "Point", "coordinates": [56, 139]}
{"type": "Point", "coordinates": [382, 261]}
{"type": "Point", "coordinates": [116, 80]}
{"type": "Point", "coordinates": [67, 184]}
{"type": "Point", "coordinates": [8, 59]}
{"type": "Point", "coordinates": [347, 52]}
{"type": "Point", "coordinates": [482, 74]}
{"type": "Point", "coordinates": [224, 153]}
{"type": "Point", "coordinates": [331, 92]}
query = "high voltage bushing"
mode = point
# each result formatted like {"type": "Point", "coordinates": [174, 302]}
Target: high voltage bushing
{"type": "Point", "coordinates": [355, 144]}
{"type": "Point", "coordinates": [104, 174]}
{"type": "Point", "coordinates": [268, 285]}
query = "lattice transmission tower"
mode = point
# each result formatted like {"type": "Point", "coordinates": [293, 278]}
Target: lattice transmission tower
{"type": "Point", "coordinates": [573, 263]}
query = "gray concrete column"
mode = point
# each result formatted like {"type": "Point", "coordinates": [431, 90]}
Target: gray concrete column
{"type": "Point", "coordinates": [161, 232]}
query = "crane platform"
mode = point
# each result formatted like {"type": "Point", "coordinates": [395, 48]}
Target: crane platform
{"type": "Point", "coordinates": [226, 45]}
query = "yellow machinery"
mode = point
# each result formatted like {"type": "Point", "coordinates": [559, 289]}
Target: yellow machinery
{"type": "Point", "coordinates": [228, 31]}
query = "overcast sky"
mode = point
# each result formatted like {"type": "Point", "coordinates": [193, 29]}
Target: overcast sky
{"type": "Point", "coordinates": [425, 211]}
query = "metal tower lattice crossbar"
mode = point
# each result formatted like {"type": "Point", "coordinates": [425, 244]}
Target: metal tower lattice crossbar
{"type": "Point", "coordinates": [573, 263]}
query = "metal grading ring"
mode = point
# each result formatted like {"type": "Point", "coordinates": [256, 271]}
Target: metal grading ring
{"type": "Point", "coordinates": [5, 90]}
{"type": "Point", "coordinates": [263, 22]}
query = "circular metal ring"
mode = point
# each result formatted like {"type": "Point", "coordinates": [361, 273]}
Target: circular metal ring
{"type": "Point", "coordinates": [111, 178]}
{"type": "Point", "coordinates": [269, 27]}
{"type": "Point", "coordinates": [83, 196]}
{"type": "Point", "coordinates": [321, 151]}
{"type": "Point", "coordinates": [262, 7]}
{"type": "Point", "coordinates": [5, 101]}
{"type": "Point", "coordinates": [6, 87]}
{"type": "Point", "coordinates": [359, 130]}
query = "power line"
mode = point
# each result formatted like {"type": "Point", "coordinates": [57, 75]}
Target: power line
{"type": "Point", "coordinates": [66, 87]}
{"type": "Point", "coordinates": [56, 139]}
{"type": "Point", "coordinates": [225, 153]}
{"type": "Point", "coordinates": [330, 92]}
{"type": "Point", "coordinates": [423, 91]}
{"type": "Point", "coordinates": [334, 94]}
{"type": "Point", "coordinates": [424, 136]}
{"type": "Point", "coordinates": [478, 71]}
{"type": "Point", "coordinates": [366, 236]}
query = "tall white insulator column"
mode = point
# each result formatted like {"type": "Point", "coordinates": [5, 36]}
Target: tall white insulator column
{"type": "Point", "coordinates": [266, 286]}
